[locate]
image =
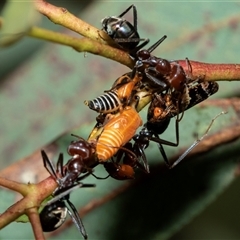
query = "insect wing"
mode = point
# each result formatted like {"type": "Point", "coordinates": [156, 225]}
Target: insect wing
{"type": "Point", "coordinates": [200, 92]}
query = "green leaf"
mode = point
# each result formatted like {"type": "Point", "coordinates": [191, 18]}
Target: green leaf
{"type": "Point", "coordinates": [17, 18]}
{"type": "Point", "coordinates": [44, 98]}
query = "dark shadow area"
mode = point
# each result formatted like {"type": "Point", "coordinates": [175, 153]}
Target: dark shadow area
{"type": "Point", "coordinates": [159, 202]}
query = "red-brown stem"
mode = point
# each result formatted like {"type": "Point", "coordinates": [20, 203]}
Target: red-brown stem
{"type": "Point", "coordinates": [35, 222]}
{"type": "Point", "coordinates": [213, 71]}
{"type": "Point", "coordinates": [36, 194]}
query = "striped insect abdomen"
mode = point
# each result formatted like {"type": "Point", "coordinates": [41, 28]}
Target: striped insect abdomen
{"type": "Point", "coordinates": [106, 103]}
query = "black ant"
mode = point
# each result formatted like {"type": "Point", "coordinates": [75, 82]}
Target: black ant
{"type": "Point", "coordinates": [67, 175]}
{"type": "Point", "coordinates": [54, 215]}
{"type": "Point", "coordinates": [123, 32]}
{"type": "Point", "coordinates": [55, 210]}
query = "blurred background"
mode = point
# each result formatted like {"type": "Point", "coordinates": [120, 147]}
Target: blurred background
{"type": "Point", "coordinates": [42, 89]}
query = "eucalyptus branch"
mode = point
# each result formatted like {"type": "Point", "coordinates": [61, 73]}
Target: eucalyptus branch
{"type": "Point", "coordinates": [58, 15]}
{"type": "Point", "coordinates": [83, 45]}
{"type": "Point", "coordinates": [61, 16]}
{"type": "Point", "coordinates": [35, 222]}
{"type": "Point", "coordinates": [15, 186]}
{"type": "Point", "coordinates": [213, 71]}
{"type": "Point", "coordinates": [35, 196]}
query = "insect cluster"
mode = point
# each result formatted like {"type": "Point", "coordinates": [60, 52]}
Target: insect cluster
{"type": "Point", "coordinates": [114, 141]}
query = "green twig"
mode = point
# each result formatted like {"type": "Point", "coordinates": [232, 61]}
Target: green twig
{"type": "Point", "coordinates": [83, 45]}
{"type": "Point", "coordinates": [61, 16]}
{"type": "Point", "coordinates": [15, 186]}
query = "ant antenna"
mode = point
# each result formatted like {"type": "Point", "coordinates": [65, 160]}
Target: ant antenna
{"type": "Point", "coordinates": [156, 44]}
{"type": "Point", "coordinates": [196, 142]}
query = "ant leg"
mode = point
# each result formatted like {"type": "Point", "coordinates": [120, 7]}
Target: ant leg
{"type": "Point", "coordinates": [162, 151]}
{"type": "Point", "coordinates": [160, 82]}
{"type": "Point", "coordinates": [160, 142]}
{"type": "Point", "coordinates": [146, 41]}
{"type": "Point", "coordinates": [196, 142]}
{"type": "Point", "coordinates": [127, 10]}
{"type": "Point", "coordinates": [134, 17]}
{"type": "Point", "coordinates": [90, 172]}
{"type": "Point", "coordinates": [145, 165]}
{"type": "Point", "coordinates": [84, 176]}
{"type": "Point", "coordinates": [48, 164]}
{"type": "Point", "coordinates": [189, 66]}
{"type": "Point", "coordinates": [165, 142]}
{"type": "Point", "coordinates": [100, 178]}
{"type": "Point", "coordinates": [64, 192]}
{"type": "Point", "coordinates": [76, 136]}
{"type": "Point", "coordinates": [182, 113]}
{"type": "Point", "coordinates": [60, 165]}
{"type": "Point", "coordinates": [140, 152]}
{"type": "Point", "coordinates": [76, 218]}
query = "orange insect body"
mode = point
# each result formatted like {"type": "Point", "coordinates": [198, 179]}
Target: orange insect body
{"type": "Point", "coordinates": [125, 86]}
{"type": "Point", "coordinates": [117, 97]}
{"type": "Point", "coordinates": [125, 171]}
{"type": "Point", "coordinates": [119, 171]}
{"type": "Point", "coordinates": [117, 132]}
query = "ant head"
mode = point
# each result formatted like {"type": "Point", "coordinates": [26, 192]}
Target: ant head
{"type": "Point", "coordinates": [82, 148]}
{"type": "Point", "coordinates": [143, 54]}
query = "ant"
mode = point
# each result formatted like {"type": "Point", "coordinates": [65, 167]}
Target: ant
{"type": "Point", "coordinates": [54, 213]}
{"type": "Point", "coordinates": [123, 32]}
{"type": "Point", "coordinates": [162, 108]}
{"type": "Point", "coordinates": [160, 72]}
{"type": "Point", "coordinates": [67, 175]}
{"type": "Point", "coordinates": [125, 170]}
